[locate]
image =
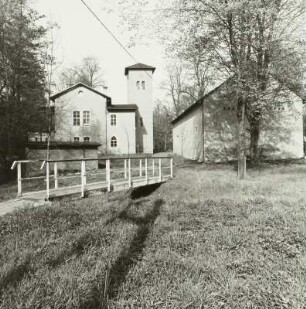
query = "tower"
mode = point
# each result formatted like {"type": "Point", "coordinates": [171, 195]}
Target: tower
{"type": "Point", "coordinates": [140, 92]}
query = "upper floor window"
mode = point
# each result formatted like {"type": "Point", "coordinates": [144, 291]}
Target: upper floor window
{"type": "Point", "coordinates": [138, 85]}
{"type": "Point", "coordinates": [113, 141]}
{"type": "Point", "coordinates": [113, 119]}
{"type": "Point", "coordinates": [86, 139]}
{"type": "Point", "coordinates": [76, 118]}
{"type": "Point", "coordinates": [86, 118]}
{"type": "Point", "coordinates": [76, 139]}
{"type": "Point", "coordinates": [143, 85]}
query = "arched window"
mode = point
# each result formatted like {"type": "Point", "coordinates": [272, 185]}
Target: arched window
{"type": "Point", "coordinates": [138, 85]}
{"type": "Point", "coordinates": [113, 142]}
{"type": "Point", "coordinates": [143, 85]}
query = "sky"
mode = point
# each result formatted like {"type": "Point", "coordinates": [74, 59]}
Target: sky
{"type": "Point", "coordinates": [80, 35]}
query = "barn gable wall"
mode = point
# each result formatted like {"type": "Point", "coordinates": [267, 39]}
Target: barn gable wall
{"type": "Point", "coordinates": [281, 130]}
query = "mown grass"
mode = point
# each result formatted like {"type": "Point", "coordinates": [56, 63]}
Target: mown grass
{"type": "Point", "coordinates": [203, 240]}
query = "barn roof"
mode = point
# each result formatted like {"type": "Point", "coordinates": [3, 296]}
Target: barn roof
{"type": "Point", "coordinates": [197, 103]}
{"type": "Point", "coordinates": [139, 67]}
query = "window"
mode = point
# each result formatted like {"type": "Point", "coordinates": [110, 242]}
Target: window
{"type": "Point", "coordinates": [113, 120]}
{"type": "Point", "coordinates": [196, 129]}
{"type": "Point", "coordinates": [76, 139]}
{"type": "Point", "coordinates": [141, 122]}
{"type": "Point", "coordinates": [86, 139]}
{"type": "Point", "coordinates": [143, 85]}
{"type": "Point", "coordinates": [113, 141]}
{"type": "Point", "coordinates": [86, 118]}
{"type": "Point", "coordinates": [138, 85]}
{"type": "Point", "coordinates": [80, 92]}
{"type": "Point", "coordinates": [76, 118]}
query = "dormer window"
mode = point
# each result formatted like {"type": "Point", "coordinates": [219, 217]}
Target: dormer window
{"type": "Point", "coordinates": [143, 85]}
{"type": "Point", "coordinates": [138, 85]}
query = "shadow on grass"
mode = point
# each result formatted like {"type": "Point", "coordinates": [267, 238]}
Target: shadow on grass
{"type": "Point", "coordinates": [116, 274]}
{"type": "Point", "coordinates": [85, 240]}
{"type": "Point", "coordinates": [132, 254]}
{"type": "Point", "coordinates": [144, 191]}
{"type": "Point", "coordinates": [15, 275]}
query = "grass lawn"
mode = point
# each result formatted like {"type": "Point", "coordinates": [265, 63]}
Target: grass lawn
{"type": "Point", "coordinates": [202, 240]}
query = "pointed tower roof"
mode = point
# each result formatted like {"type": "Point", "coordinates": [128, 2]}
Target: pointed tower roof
{"type": "Point", "coordinates": [139, 67]}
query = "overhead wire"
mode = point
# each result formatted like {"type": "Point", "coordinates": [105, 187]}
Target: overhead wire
{"type": "Point", "coordinates": [110, 32]}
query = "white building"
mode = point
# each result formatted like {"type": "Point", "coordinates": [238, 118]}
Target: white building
{"type": "Point", "coordinates": [84, 115]}
{"type": "Point", "coordinates": [208, 129]}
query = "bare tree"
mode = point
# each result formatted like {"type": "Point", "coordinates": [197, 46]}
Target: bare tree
{"type": "Point", "coordinates": [88, 72]}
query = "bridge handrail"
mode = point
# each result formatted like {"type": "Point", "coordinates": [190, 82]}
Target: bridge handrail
{"type": "Point", "coordinates": [143, 170]}
{"type": "Point", "coordinates": [108, 158]}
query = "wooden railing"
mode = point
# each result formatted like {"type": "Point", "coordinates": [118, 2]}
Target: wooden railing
{"type": "Point", "coordinates": [147, 168]}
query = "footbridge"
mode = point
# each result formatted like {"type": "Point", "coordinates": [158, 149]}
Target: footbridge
{"type": "Point", "coordinates": [48, 179]}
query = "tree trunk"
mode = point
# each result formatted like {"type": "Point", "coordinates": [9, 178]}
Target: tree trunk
{"type": "Point", "coordinates": [254, 149]}
{"type": "Point", "coordinates": [241, 140]}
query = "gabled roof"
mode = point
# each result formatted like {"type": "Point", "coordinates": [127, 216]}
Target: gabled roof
{"type": "Point", "coordinates": [197, 103]}
{"type": "Point", "coordinates": [200, 101]}
{"type": "Point", "coordinates": [59, 94]}
{"type": "Point", "coordinates": [139, 67]}
{"type": "Point", "coordinates": [122, 108]}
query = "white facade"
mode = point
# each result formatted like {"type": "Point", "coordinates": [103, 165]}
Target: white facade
{"type": "Point", "coordinates": [91, 108]}
{"type": "Point", "coordinates": [121, 137]}
{"type": "Point", "coordinates": [84, 115]}
{"type": "Point", "coordinates": [140, 92]}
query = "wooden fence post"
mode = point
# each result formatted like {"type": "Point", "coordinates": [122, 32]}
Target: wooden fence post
{"type": "Point", "coordinates": [146, 170]}
{"type": "Point", "coordinates": [125, 169]}
{"type": "Point", "coordinates": [130, 175]}
{"type": "Point", "coordinates": [160, 169]}
{"type": "Point", "coordinates": [140, 168]}
{"type": "Point", "coordinates": [171, 167]}
{"type": "Point", "coordinates": [55, 176]}
{"type": "Point", "coordinates": [83, 178]}
{"type": "Point", "coordinates": [48, 179]}
{"type": "Point", "coordinates": [108, 175]}
{"type": "Point", "coordinates": [19, 179]}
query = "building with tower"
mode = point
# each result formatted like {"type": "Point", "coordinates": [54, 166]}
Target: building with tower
{"type": "Point", "coordinates": [84, 118]}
